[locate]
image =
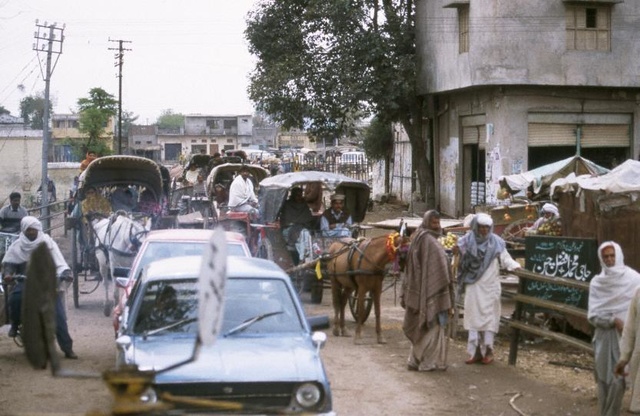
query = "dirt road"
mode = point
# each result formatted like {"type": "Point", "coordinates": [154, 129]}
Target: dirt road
{"type": "Point", "coordinates": [366, 379]}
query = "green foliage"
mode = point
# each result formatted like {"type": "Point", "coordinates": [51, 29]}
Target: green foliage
{"type": "Point", "coordinates": [128, 119]}
{"type": "Point", "coordinates": [79, 147]}
{"type": "Point", "coordinates": [4, 110]}
{"type": "Point", "coordinates": [95, 112]}
{"type": "Point", "coordinates": [324, 64]}
{"type": "Point", "coordinates": [170, 120]}
{"type": "Point", "coordinates": [32, 110]}
{"type": "Point", "coordinates": [378, 139]}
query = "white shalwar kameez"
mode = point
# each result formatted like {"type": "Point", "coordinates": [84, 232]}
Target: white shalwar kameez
{"type": "Point", "coordinates": [482, 304]}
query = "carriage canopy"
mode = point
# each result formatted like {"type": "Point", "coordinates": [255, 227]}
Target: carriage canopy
{"type": "Point", "coordinates": [274, 191]}
{"type": "Point", "coordinates": [225, 173]}
{"type": "Point", "coordinates": [124, 170]}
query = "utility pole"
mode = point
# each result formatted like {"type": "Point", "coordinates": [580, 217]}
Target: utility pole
{"type": "Point", "coordinates": [119, 61]}
{"type": "Point", "coordinates": [48, 37]}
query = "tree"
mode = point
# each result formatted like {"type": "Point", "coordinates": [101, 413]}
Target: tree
{"type": "Point", "coordinates": [4, 111]}
{"type": "Point", "coordinates": [378, 144]}
{"type": "Point", "coordinates": [32, 110]}
{"type": "Point", "coordinates": [170, 120]}
{"type": "Point", "coordinates": [95, 112]}
{"type": "Point", "coordinates": [128, 119]}
{"type": "Point", "coordinates": [323, 64]}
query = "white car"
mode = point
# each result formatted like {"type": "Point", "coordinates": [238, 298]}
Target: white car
{"type": "Point", "coordinates": [163, 244]}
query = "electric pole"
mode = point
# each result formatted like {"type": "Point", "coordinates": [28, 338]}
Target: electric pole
{"type": "Point", "coordinates": [119, 61]}
{"type": "Point", "coordinates": [48, 37]}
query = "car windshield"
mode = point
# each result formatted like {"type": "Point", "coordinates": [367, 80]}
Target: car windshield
{"type": "Point", "coordinates": [171, 307]}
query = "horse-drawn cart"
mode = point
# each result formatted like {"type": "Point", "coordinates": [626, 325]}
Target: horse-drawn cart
{"type": "Point", "coordinates": [273, 194]}
{"type": "Point", "coordinates": [137, 189]}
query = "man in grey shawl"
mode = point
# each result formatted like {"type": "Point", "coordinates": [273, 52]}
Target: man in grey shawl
{"type": "Point", "coordinates": [483, 254]}
{"type": "Point", "coordinates": [610, 294]}
{"type": "Point", "coordinates": [15, 263]}
{"type": "Point", "coordinates": [426, 297]}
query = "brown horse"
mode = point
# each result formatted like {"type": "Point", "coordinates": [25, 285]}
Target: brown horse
{"type": "Point", "coordinates": [359, 265]}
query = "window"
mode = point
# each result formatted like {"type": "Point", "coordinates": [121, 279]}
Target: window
{"type": "Point", "coordinates": [588, 28]}
{"type": "Point", "coordinates": [463, 29]}
{"type": "Point", "coordinates": [212, 124]}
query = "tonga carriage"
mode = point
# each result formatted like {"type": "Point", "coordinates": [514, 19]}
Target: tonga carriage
{"type": "Point", "coordinates": [272, 196]}
{"type": "Point", "coordinates": [140, 176]}
{"type": "Point", "coordinates": [218, 183]}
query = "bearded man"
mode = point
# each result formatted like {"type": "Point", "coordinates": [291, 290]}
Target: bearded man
{"type": "Point", "coordinates": [483, 255]}
{"type": "Point", "coordinates": [427, 297]}
{"type": "Point", "coordinates": [610, 294]}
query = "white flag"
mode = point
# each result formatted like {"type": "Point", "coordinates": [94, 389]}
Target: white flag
{"type": "Point", "coordinates": [211, 285]}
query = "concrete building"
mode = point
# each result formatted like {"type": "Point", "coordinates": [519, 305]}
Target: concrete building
{"type": "Point", "coordinates": [205, 133]}
{"type": "Point", "coordinates": [513, 85]}
{"type": "Point", "coordinates": [21, 167]}
{"type": "Point", "coordinates": [66, 127]}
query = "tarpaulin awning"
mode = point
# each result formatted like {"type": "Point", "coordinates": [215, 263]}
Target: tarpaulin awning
{"type": "Point", "coordinates": [540, 179]}
{"type": "Point", "coordinates": [624, 178]}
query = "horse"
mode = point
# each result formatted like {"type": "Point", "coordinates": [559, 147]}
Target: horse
{"type": "Point", "coordinates": [118, 238]}
{"type": "Point", "coordinates": [359, 265]}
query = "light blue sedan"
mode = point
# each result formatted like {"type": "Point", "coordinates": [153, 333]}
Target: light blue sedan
{"type": "Point", "coordinates": [266, 358]}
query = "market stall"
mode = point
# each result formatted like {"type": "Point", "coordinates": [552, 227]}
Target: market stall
{"type": "Point", "coordinates": [606, 207]}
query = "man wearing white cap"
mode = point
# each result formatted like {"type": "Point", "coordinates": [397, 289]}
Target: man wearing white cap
{"type": "Point", "coordinates": [483, 254]}
{"type": "Point", "coordinates": [549, 213]}
{"type": "Point", "coordinates": [335, 221]}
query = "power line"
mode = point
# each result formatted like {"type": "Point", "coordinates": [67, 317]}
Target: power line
{"type": "Point", "coordinates": [119, 62]}
{"type": "Point", "coordinates": [48, 37]}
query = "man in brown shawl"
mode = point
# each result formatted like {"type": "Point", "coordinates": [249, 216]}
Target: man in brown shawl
{"type": "Point", "coordinates": [426, 297]}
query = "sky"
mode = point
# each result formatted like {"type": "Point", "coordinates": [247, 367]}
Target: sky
{"type": "Point", "coordinates": [189, 56]}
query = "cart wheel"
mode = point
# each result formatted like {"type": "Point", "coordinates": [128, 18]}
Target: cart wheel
{"type": "Point", "coordinates": [317, 290]}
{"type": "Point", "coordinates": [515, 231]}
{"type": "Point", "coordinates": [297, 279]}
{"type": "Point", "coordinates": [265, 250]}
{"type": "Point", "coordinates": [353, 306]}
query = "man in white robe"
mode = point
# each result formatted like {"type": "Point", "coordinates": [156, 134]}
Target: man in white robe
{"type": "Point", "coordinates": [242, 197]}
{"type": "Point", "coordinates": [610, 294]}
{"type": "Point", "coordinates": [483, 254]}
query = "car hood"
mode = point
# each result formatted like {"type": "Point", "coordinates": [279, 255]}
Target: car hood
{"type": "Point", "coordinates": [237, 358]}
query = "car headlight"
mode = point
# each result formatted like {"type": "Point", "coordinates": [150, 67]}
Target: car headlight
{"type": "Point", "coordinates": [149, 396]}
{"type": "Point", "coordinates": [308, 395]}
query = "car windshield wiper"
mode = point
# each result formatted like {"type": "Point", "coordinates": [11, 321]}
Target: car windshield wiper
{"type": "Point", "coordinates": [176, 324]}
{"type": "Point", "coordinates": [246, 324]}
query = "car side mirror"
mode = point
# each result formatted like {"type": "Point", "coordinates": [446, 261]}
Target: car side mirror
{"type": "Point", "coordinates": [319, 322]}
{"type": "Point", "coordinates": [121, 271]}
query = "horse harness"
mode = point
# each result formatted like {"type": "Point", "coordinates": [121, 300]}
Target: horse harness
{"type": "Point", "coordinates": [352, 248]}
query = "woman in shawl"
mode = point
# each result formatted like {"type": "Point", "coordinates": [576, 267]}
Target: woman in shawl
{"type": "Point", "coordinates": [15, 262]}
{"type": "Point", "coordinates": [610, 294]}
{"type": "Point", "coordinates": [483, 254]}
{"type": "Point", "coordinates": [426, 297]}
